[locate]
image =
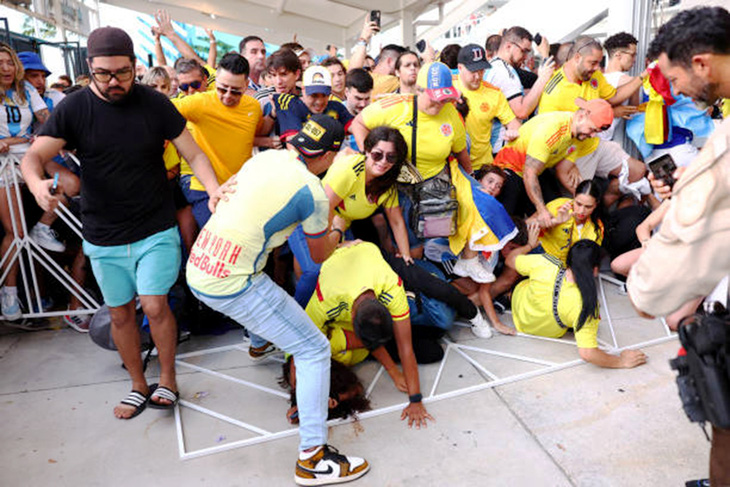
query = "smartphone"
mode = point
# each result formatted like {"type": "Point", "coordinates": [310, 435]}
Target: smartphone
{"type": "Point", "coordinates": [421, 45]}
{"type": "Point", "coordinates": [54, 186]}
{"type": "Point", "coordinates": [375, 16]}
{"type": "Point", "coordinates": [537, 39]}
{"type": "Point", "coordinates": [663, 168]}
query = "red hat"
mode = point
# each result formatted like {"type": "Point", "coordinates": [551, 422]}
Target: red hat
{"type": "Point", "coordinates": [599, 111]}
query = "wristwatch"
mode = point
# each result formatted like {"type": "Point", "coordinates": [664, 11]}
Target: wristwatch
{"type": "Point", "coordinates": [415, 398]}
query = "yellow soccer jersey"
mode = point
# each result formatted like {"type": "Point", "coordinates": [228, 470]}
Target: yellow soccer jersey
{"type": "Point", "coordinates": [384, 84]}
{"type": "Point", "coordinates": [532, 303]}
{"type": "Point", "coordinates": [560, 94]}
{"type": "Point", "coordinates": [485, 104]}
{"type": "Point", "coordinates": [346, 177]}
{"type": "Point", "coordinates": [437, 136]}
{"type": "Point", "coordinates": [545, 137]}
{"type": "Point", "coordinates": [557, 240]}
{"type": "Point", "coordinates": [225, 134]}
{"type": "Point", "coordinates": [275, 193]}
{"type": "Point", "coordinates": [345, 275]}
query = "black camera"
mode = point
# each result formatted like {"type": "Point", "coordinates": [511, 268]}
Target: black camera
{"type": "Point", "coordinates": [704, 371]}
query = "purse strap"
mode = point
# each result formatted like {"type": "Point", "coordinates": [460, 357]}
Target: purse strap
{"type": "Point", "coordinates": [413, 131]}
{"type": "Point", "coordinates": [556, 288]}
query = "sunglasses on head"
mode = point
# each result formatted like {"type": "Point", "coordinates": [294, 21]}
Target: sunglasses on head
{"type": "Point", "coordinates": [194, 85]}
{"type": "Point", "coordinates": [377, 156]}
{"type": "Point", "coordinates": [230, 90]}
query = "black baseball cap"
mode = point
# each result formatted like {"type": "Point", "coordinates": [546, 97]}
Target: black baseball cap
{"type": "Point", "coordinates": [373, 324]}
{"type": "Point", "coordinates": [109, 41]}
{"type": "Point", "coordinates": [473, 57]}
{"type": "Point", "coordinates": [320, 134]}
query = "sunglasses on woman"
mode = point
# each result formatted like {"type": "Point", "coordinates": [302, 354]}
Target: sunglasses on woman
{"type": "Point", "coordinates": [194, 85]}
{"type": "Point", "coordinates": [390, 157]}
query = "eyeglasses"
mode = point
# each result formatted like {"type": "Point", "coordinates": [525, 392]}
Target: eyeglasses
{"type": "Point", "coordinates": [525, 50]}
{"type": "Point", "coordinates": [194, 85]}
{"type": "Point", "coordinates": [124, 74]}
{"type": "Point", "coordinates": [390, 157]}
{"type": "Point", "coordinates": [233, 91]}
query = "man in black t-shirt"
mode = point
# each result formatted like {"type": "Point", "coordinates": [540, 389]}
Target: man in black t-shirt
{"type": "Point", "coordinates": [118, 130]}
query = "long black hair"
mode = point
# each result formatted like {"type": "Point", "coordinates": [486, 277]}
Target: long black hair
{"type": "Point", "coordinates": [591, 188]}
{"type": "Point", "coordinates": [583, 257]}
{"type": "Point", "coordinates": [342, 381]}
{"type": "Point", "coordinates": [383, 183]}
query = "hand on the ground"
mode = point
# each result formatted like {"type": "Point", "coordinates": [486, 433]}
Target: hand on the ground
{"type": "Point", "coordinates": [164, 23]}
{"type": "Point", "coordinates": [42, 193]}
{"type": "Point", "coordinates": [533, 234]}
{"type": "Point", "coordinates": [624, 111]}
{"type": "Point", "coordinates": [416, 414]}
{"type": "Point", "coordinates": [292, 415]}
{"type": "Point", "coordinates": [510, 135]}
{"type": "Point", "coordinates": [544, 217]}
{"type": "Point", "coordinates": [398, 378]}
{"type": "Point", "coordinates": [503, 329]}
{"type": "Point", "coordinates": [547, 69]}
{"type": "Point", "coordinates": [632, 358]}
{"type": "Point", "coordinates": [229, 187]}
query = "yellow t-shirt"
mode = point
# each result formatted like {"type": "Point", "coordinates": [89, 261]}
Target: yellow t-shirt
{"type": "Point", "coordinates": [225, 134]}
{"type": "Point", "coordinates": [346, 177]}
{"type": "Point", "coordinates": [726, 108]}
{"type": "Point", "coordinates": [437, 135]}
{"type": "Point", "coordinates": [557, 240]}
{"type": "Point", "coordinates": [560, 94]}
{"type": "Point", "coordinates": [485, 104]}
{"type": "Point", "coordinates": [532, 302]}
{"type": "Point", "coordinates": [384, 84]}
{"type": "Point", "coordinates": [275, 193]}
{"type": "Point", "coordinates": [170, 156]}
{"type": "Point", "coordinates": [345, 275]}
{"type": "Point", "coordinates": [545, 137]}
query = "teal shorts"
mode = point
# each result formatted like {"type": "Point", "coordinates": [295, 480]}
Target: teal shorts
{"type": "Point", "coordinates": [148, 267]}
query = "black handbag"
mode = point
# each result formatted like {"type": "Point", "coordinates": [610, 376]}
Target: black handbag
{"type": "Point", "coordinates": [435, 208]}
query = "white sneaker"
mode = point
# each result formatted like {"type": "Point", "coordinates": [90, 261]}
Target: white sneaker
{"type": "Point", "coordinates": [47, 238]}
{"type": "Point", "coordinates": [480, 327]}
{"type": "Point", "coordinates": [328, 466]}
{"type": "Point", "coordinates": [10, 306]}
{"type": "Point", "coordinates": [472, 268]}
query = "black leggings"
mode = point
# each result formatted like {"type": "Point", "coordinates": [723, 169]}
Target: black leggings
{"type": "Point", "coordinates": [419, 280]}
{"type": "Point", "coordinates": [514, 195]}
{"type": "Point", "coordinates": [426, 346]}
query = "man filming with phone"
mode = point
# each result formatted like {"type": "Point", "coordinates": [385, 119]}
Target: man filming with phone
{"type": "Point", "coordinates": [695, 58]}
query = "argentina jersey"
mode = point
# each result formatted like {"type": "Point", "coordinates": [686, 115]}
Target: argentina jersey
{"type": "Point", "coordinates": [17, 115]}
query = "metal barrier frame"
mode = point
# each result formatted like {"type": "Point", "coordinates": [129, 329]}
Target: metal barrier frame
{"type": "Point", "coordinates": [23, 250]}
{"type": "Point", "coordinates": [491, 380]}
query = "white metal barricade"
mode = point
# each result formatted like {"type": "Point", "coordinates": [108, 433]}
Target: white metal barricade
{"type": "Point", "coordinates": [26, 253]}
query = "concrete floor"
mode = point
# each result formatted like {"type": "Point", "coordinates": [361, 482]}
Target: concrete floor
{"type": "Point", "coordinates": [580, 426]}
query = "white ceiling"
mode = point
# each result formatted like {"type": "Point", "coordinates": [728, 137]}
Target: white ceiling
{"type": "Point", "coordinates": [315, 22]}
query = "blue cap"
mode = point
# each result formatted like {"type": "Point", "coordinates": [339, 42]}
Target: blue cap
{"type": "Point", "coordinates": [32, 60]}
{"type": "Point", "coordinates": [436, 80]}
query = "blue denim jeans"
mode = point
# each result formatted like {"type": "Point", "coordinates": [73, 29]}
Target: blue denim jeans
{"type": "Point", "coordinates": [197, 199]}
{"type": "Point", "coordinates": [267, 310]}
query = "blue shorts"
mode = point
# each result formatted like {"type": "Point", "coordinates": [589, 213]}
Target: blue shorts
{"type": "Point", "coordinates": [148, 267]}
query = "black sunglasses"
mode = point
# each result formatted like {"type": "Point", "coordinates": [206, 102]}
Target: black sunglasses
{"type": "Point", "coordinates": [194, 85]}
{"type": "Point", "coordinates": [377, 156]}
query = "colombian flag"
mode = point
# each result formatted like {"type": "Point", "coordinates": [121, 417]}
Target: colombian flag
{"type": "Point", "coordinates": [483, 223]}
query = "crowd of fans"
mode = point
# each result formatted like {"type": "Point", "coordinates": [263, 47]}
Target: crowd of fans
{"type": "Point", "coordinates": [527, 137]}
